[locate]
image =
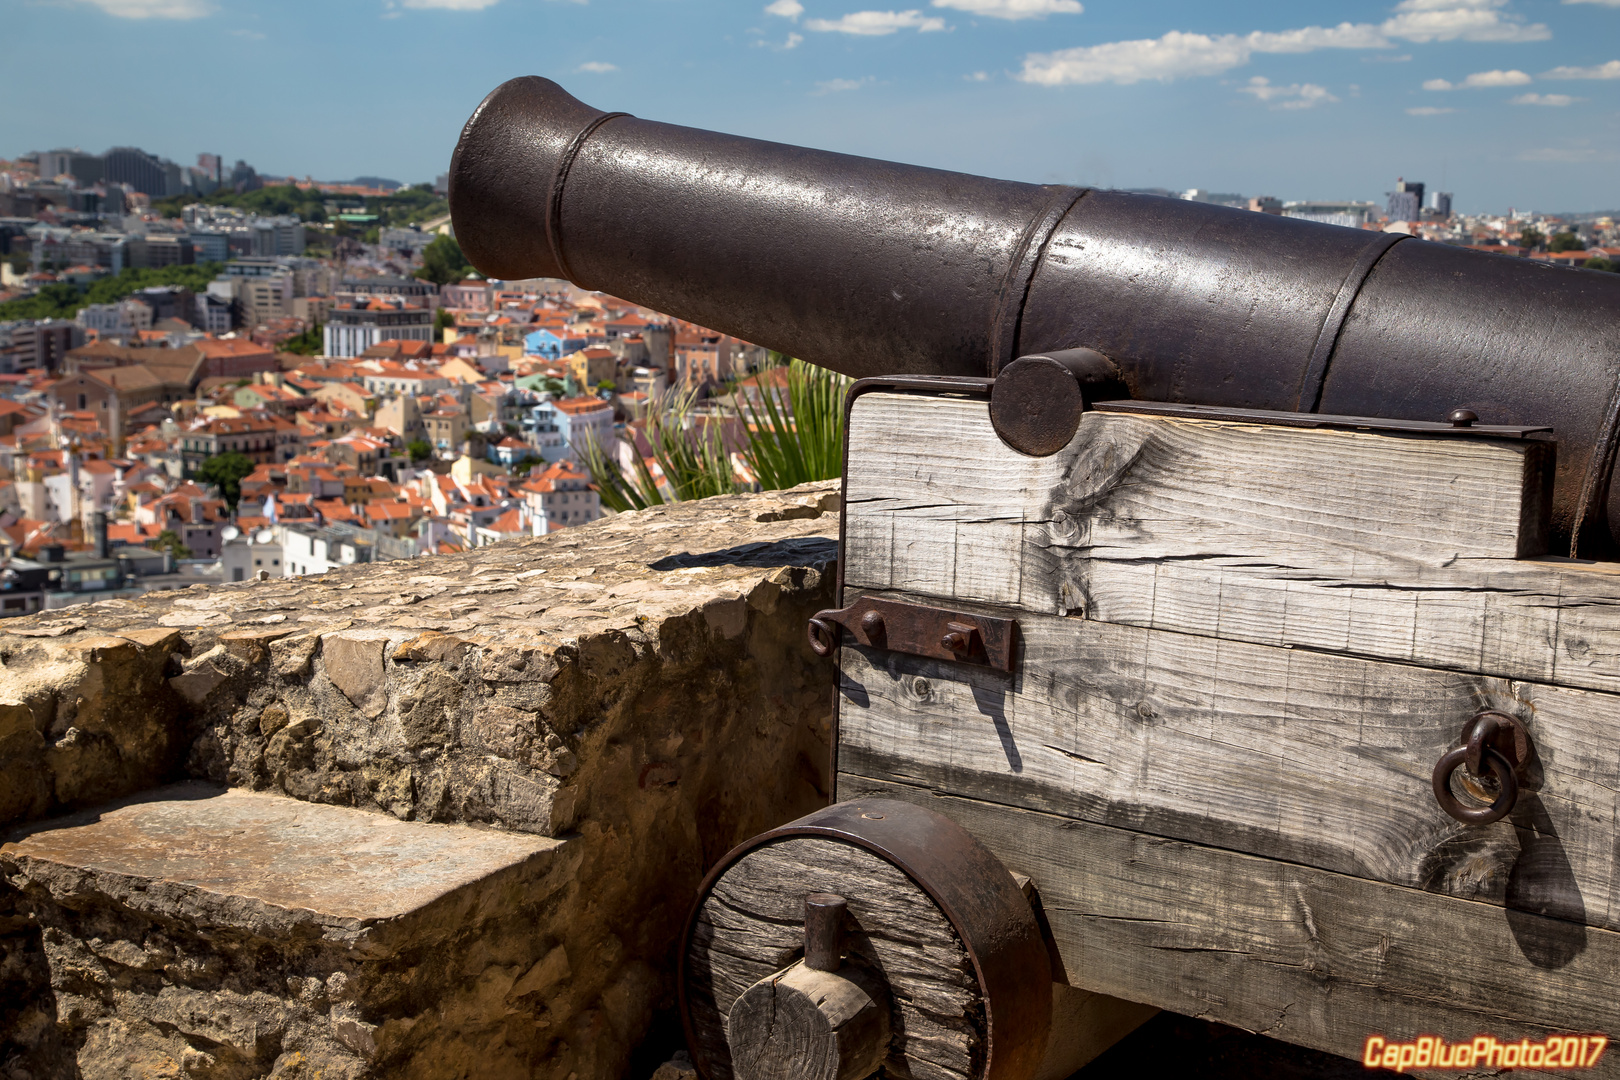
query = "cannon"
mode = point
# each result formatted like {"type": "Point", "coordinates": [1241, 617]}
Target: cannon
{"type": "Point", "coordinates": [1201, 642]}
{"type": "Point", "coordinates": [874, 268]}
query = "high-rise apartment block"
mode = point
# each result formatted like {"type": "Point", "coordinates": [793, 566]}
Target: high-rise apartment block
{"type": "Point", "coordinates": [1406, 201]}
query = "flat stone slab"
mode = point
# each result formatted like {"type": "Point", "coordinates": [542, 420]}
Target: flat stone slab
{"type": "Point", "coordinates": [197, 932]}
{"type": "Point", "coordinates": [240, 857]}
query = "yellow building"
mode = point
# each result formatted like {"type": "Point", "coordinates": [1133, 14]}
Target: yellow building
{"type": "Point", "coordinates": [593, 366]}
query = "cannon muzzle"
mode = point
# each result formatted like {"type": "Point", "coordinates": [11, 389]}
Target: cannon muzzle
{"type": "Point", "coordinates": [875, 268]}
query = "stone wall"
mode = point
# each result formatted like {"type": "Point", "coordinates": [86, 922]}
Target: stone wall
{"type": "Point", "coordinates": [634, 697]}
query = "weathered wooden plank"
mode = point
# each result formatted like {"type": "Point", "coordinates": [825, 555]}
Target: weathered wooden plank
{"type": "Point", "coordinates": [1311, 957]}
{"type": "Point", "coordinates": [929, 501]}
{"type": "Point", "coordinates": [1546, 620]}
{"type": "Point", "coordinates": [1315, 758]}
{"type": "Point", "coordinates": [1377, 546]}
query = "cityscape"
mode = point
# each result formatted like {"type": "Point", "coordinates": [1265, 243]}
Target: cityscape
{"type": "Point", "coordinates": [212, 375]}
{"type": "Point", "coordinates": [969, 540]}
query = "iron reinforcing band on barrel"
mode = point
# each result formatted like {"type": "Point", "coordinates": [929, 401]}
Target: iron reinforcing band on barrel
{"type": "Point", "coordinates": [554, 204]}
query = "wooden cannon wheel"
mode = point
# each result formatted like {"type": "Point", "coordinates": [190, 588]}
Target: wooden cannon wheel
{"type": "Point", "coordinates": [921, 955]}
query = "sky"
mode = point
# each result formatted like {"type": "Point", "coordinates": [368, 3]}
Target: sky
{"type": "Point", "coordinates": [1507, 103]}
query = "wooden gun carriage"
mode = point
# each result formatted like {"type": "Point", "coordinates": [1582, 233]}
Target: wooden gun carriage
{"type": "Point", "coordinates": [1162, 683]}
{"type": "Point", "coordinates": [1217, 667]}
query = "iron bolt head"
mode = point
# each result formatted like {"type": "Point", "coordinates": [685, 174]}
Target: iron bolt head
{"type": "Point", "coordinates": [1463, 417]}
{"type": "Point", "coordinates": [956, 641]}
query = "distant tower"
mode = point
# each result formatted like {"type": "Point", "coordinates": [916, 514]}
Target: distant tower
{"type": "Point", "coordinates": [115, 421]}
{"type": "Point", "coordinates": [1440, 203]}
{"type": "Point", "coordinates": [1406, 201]}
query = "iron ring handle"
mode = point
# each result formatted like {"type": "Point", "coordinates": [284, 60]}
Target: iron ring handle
{"type": "Point", "coordinates": [1499, 766]}
{"type": "Point", "coordinates": [823, 635]}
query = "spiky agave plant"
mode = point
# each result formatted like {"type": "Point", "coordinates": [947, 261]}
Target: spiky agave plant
{"type": "Point", "coordinates": [804, 443]}
{"type": "Point", "coordinates": [783, 447]}
{"type": "Point", "coordinates": [693, 460]}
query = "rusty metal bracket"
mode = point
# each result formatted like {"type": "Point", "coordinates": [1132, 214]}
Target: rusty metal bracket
{"type": "Point", "coordinates": [919, 630]}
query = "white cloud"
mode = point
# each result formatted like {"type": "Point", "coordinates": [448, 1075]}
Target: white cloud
{"type": "Point", "coordinates": [1174, 56]}
{"type": "Point", "coordinates": [1605, 3]}
{"type": "Point", "coordinates": [1310, 38]}
{"type": "Point", "coordinates": [451, 5]}
{"type": "Point", "coordinates": [787, 9]}
{"type": "Point", "coordinates": [978, 76]}
{"type": "Point", "coordinates": [1611, 70]}
{"type": "Point", "coordinates": [597, 67]}
{"type": "Point", "coordinates": [1429, 110]}
{"type": "Point", "coordinates": [1498, 77]}
{"type": "Point", "coordinates": [1295, 96]}
{"type": "Point", "coordinates": [876, 23]}
{"type": "Point", "coordinates": [1563, 155]}
{"type": "Point", "coordinates": [1481, 80]}
{"type": "Point", "coordinates": [1014, 9]}
{"type": "Point", "coordinates": [792, 41]}
{"type": "Point", "coordinates": [1555, 100]}
{"type": "Point", "coordinates": [1467, 20]}
{"type": "Point", "coordinates": [1177, 55]}
{"type": "Point", "coordinates": [834, 86]}
{"type": "Point", "coordinates": [156, 9]}
{"type": "Point", "coordinates": [1381, 59]}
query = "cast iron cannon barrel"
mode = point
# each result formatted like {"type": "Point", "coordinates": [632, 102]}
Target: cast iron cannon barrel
{"type": "Point", "coordinates": [876, 268]}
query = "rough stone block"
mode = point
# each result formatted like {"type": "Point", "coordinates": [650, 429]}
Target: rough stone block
{"type": "Point", "coordinates": [197, 932]}
{"type": "Point", "coordinates": [641, 686]}
{"type": "Point", "coordinates": [86, 717]}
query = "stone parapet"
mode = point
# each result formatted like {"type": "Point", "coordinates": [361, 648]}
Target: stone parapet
{"type": "Point", "coordinates": [639, 689]}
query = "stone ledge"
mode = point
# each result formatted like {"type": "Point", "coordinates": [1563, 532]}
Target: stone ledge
{"type": "Point", "coordinates": [377, 660]}
{"type": "Point", "coordinates": [215, 858]}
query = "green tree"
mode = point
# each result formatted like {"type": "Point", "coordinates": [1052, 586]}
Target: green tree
{"type": "Point", "coordinates": [443, 321]}
{"type": "Point", "coordinates": [309, 343]}
{"type": "Point", "coordinates": [226, 470]}
{"type": "Point", "coordinates": [1531, 239]}
{"type": "Point", "coordinates": [64, 301]}
{"type": "Point", "coordinates": [1601, 264]}
{"type": "Point", "coordinates": [169, 540]}
{"type": "Point", "coordinates": [419, 449]}
{"type": "Point", "coordinates": [1565, 241]}
{"type": "Point", "coordinates": [310, 205]}
{"type": "Point", "coordinates": [443, 262]}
